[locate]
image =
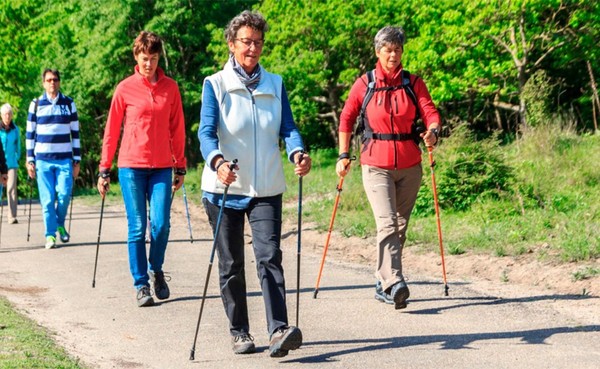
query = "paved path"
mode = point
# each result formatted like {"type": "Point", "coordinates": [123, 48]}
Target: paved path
{"type": "Point", "coordinates": [479, 325]}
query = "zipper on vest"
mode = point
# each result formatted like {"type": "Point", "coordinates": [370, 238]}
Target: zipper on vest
{"type": "Point", "coordinates": [254, 123]}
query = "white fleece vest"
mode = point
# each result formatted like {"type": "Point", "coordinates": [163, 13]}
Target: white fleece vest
{"type": "Point", "coordinates": [248, 131]}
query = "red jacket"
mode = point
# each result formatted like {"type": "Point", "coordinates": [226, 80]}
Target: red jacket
{"type": "Point", "coordinates": [389, 112]}
{"type": "Point", "coordinates": [153, 124]}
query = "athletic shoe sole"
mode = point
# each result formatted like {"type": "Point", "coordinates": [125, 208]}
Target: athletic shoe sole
{"type": "Point", "coordinates": [400, 297]}
{"type": "Point", "coordinates": [291, 340]}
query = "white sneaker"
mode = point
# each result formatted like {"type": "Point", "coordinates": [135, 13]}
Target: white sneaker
{"type": "Point", "coordinates": [50, 242]}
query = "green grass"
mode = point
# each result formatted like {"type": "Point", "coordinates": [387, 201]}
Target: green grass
{"type": "Point", "coordinates": [24, 345]}
{"type": "Point", "coordinates": [553, 200]}
{"type": "Point", "coordinates": [550, 198]}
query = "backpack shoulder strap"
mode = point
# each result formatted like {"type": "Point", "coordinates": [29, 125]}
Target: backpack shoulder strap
{"type": "Point", "coordinates": [408, 86]}
{"type": "Point", "coordinates": [371, 82]}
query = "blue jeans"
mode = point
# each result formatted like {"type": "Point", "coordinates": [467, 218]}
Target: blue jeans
{"type": "Point", "coordinates": [55, 182]}
{"type": "Point", "coordinates": [142, 187]}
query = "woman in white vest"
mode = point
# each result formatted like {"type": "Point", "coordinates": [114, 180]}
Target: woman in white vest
{"type": "Point", "coordinates": [245, 112]}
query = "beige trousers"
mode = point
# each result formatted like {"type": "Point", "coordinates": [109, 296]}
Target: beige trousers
{"type": "Point", "coordinates": [392, 195]}
{"type": "Point", "coordinates": [11, 193]}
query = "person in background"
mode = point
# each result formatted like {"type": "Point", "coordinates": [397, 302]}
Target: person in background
{"type": "Point", "coordinates": [147, 107]}
{"type": "Point", "coordinates": [11, 143]}
{"type": "Point", "coordinates": [390, 155]}
{"type": "Point", "coordinates": [53, 153]}
{"type": "Point", "coordinates": [245, 112]}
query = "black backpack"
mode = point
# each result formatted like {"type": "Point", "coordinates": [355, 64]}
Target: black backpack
{"type": "Point", "coordinates": [363, 124]}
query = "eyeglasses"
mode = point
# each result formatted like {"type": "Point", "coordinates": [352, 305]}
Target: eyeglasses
{"type": "Point", "coordinates": [52, 80]}
{"type": "Point", "coordinates": [249, 42]}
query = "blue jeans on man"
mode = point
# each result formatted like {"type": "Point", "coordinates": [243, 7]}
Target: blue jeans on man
{"type": "Point", "coordinates": [55, 182]}
{"type": "Point", "coordinates": [142, 187]}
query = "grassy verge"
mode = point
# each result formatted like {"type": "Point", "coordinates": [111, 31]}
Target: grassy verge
{"type": "Point", "coordinates": [25, 345]}
{"type": "Point", "coordinates": [547, 204]}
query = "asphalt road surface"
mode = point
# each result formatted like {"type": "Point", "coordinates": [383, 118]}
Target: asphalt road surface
{"type": "Point", "coordinates": [479, 325]}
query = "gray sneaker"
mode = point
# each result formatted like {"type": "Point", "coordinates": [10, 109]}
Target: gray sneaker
{"type": "Point", "coordinates": [161, 288]}
{"type": "Point", "coordinates": [400, 294]}
{"type": "Point", "coordinates": [381, 296]}
{"type": "Point", "coordinates": [283, 340]}
{"type": "Point", "coordinates": [144, 297]}
{"type": "Point", "coordinates": [243, 344]}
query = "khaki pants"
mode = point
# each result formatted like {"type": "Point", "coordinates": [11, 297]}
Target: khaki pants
{"type": "Point", "coordinates": [392, 195]}
{"type": "Point", "coordinates": [11, 193]}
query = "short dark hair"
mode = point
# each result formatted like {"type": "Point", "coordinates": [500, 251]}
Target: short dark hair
{"type": "Point", "coordinates": [147, 42]}
{"type": "Point", "coordinates": [247, 18]}
{"type": "Point", "coordinates": [49, 70]}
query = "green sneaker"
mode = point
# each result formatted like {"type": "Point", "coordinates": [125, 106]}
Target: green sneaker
{"type": "Point", "coordinates": [64, 236]}
{"type": "Point", "coordinates": [50, 242]}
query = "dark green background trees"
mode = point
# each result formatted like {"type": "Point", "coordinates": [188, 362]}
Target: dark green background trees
{"type": "Point", "coordinates": [477, 57]}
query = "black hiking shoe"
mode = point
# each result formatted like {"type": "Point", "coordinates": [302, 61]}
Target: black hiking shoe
{"type": "Point", "coordinates": [243, 344]}
{"type": "Point", "coordinates": [400, 294]}
{"type": "Point", "coordinates": [381, 296]}
{"type": "Point", "coordinates": [283, 340]}
{"type": "Point", "coordinates": [144, 297]}
{"type": "Point", "coordinates": [161, 288]}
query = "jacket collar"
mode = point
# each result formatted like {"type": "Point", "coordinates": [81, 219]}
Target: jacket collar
{"type": "Point", "coordinates": [394, 78]}
{"type": "Point", "coordinates": [159, 72]}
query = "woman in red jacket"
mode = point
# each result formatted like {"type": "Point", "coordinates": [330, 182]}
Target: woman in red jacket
{"type": "Point", "coordinates": [147, 105]}
{"type": "Point", "coordinates": [390, 156]}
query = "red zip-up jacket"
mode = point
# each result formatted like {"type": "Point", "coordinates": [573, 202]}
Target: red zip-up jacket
{"type": "Point", "coordinates": [153, 124]}
{"type": "Point", "coordinates": [389, 112]}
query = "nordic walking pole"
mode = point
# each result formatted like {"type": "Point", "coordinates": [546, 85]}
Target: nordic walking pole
{"type": "Point", "coordinates": [210, 263]}
{"type": "Point", "coordinates": [98, 242]}
{"type": "Point", "coordinates": [71, 207]}
{"type": "Point", "coordinates": [300, 157]}
{"type": "Point", "coordinates": [437, 216]}
{"type": "Point", "coordinates": [30, 200]}
{"type": "Point", "coordinates": [335, 206]}
{"type": "Point", "coordinates": [187, 213]}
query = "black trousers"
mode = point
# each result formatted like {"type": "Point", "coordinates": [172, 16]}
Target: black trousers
{"type": "Point", "coordinates": [264, 217]}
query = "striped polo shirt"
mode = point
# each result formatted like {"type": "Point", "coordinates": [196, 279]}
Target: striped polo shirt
{"type": "Point", "coordinates": [52, 130]}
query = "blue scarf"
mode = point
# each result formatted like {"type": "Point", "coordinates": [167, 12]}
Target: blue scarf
{"type": "Point", "coordinates": [250, 81]}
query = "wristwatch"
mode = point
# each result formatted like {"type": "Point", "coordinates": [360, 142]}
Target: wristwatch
{"type": "Point", "coordinates": [436, 132]}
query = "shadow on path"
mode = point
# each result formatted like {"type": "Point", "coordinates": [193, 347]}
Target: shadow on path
{"type": "Point", "coordinates": [447, 342]}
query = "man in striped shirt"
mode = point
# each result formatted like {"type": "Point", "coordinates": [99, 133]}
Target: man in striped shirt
{"type": "Point", "coordinates": [53, 153]}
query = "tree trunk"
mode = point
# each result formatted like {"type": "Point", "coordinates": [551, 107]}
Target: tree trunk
{"type": "Point", "coordinates": [595, 98]}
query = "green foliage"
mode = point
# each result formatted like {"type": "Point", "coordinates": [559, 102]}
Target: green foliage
{"type": "Point", "coordinates": [466, 171]}
{"type": "Point", "coordinates": [585, 273]}
{"type": "Point", "coordinates": [538, 194]}
{"type": "Point", "coordinates": [537, 95]}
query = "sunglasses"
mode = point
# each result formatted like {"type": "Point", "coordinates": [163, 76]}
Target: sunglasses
{"type": "Point", "coordinates": [52, 80]}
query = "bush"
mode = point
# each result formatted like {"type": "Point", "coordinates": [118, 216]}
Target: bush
{"type": "Point", "coordinates": [466, 171]}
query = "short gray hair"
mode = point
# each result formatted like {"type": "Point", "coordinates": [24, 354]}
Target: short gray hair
{"type": "Point", "coordinates": [6, 108]}
{"type": "Point", "coordinates": [254, 20]}
{"type": "Point", "coordinates": [389, 35]}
